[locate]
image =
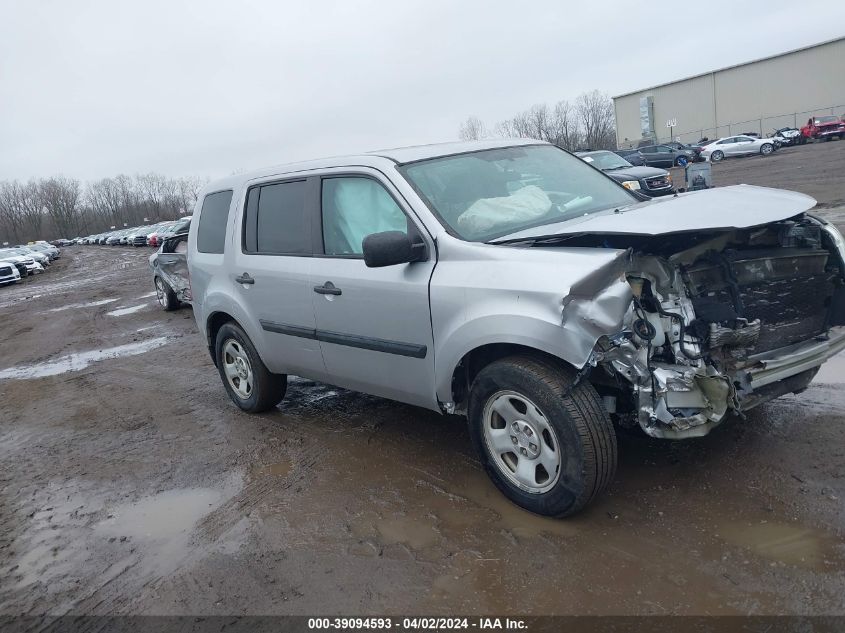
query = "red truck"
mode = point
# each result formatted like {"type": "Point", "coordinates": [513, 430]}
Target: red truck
{"type": "Point", "coordinates": [823, 127]}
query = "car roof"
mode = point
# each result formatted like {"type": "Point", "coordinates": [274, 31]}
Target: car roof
{"type": "Point", "coordinates": [377, 158]}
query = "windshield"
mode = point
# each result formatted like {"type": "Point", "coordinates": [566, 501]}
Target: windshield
{"type": "Point", "coordinates": [827, 119]}
{"type": "Point", "coordinates": [606, 161]}
{"type": "Point", "coordinates": [490, 193]}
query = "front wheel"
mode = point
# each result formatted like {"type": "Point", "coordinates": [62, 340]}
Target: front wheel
{"type": "Point", "coordinates": [247, 380]}
{"type": "Point", "coordinates": [766, 149]}
{"type": "Point", "coordinates": [717, 156]}
{"type": "Point", "coordinates": [682, 161]}
{"type": "Point", "coordinates": [548, 446]}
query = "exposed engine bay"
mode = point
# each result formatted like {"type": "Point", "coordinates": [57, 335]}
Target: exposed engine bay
{"type": "Point", "coordinates": [720, 322]}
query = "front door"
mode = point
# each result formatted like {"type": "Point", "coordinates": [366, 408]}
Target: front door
{"type": "Point", "coordinates": [272, 275]}
{"type": "Point", "coordinates": [373, 324]}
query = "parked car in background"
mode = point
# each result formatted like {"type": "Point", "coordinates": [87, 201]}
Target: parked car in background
{"type": "Point", "coordinates": [9, 273]}
{"type": "Point", "coordinates": [38, 256]}
{"type": "Point", "coordinates": [170, 271]}
{"type": "Point", "coordinates": [32, 267]}
{"type": "Point", "coordinates": [42, 247]}
{"type": "Point", "coordinates": [152, 236]}
{"type": "Point", "coordinates": [666, 156]}
{"type": "Point", "coordinates": [737, 146]}
{"type": "Point", "coordinates": [823, 128]}
{"type": "Point", "coordinates": [17, 262]}
{"type": "Point", "coordinates": [179, 226]}
{"type": "Point", "coordinates": [632, 155]}
{"type": "Point", "coordinates": [787, 135]}
{"type": "Point", "coordinates": [650, 181]}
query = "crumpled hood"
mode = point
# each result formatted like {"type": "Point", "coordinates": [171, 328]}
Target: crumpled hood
{"type": "Point", "coordinates": [734, 207]}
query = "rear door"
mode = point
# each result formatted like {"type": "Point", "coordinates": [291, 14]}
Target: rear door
{"type": "Point", "coordinates": [271, 274]}
{"type": "Point", "coordinates": [374, 324]}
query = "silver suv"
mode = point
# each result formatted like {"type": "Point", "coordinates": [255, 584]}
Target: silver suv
{"type": "Point", "coordinates": [511, 282]}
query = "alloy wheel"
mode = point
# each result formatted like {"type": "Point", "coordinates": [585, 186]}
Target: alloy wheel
{"type": "Point", "coordinates": [521, 441]}
{"type": "Point", "coordinates": [237, 368]}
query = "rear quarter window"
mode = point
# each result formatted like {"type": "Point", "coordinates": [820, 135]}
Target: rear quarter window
{"type": "Point", "coordinates": [211, 232]}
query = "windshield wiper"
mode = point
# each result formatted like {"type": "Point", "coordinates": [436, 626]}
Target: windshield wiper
{"type": "Point", "coordinates": [615, 168]}
{"type": "Point", "coordinates": [540, 240]}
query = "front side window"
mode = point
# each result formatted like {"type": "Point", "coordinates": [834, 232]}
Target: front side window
{"type": "Point", "coordinates": [211, 233]}
{"type": "Point", "coordinates": [491, 193]}
{"type": "Point", "coordinates": [353, 208]}
{"type": "Point", "coordinates": [275, 222]}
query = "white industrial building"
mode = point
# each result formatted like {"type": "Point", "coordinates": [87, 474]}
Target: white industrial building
{"type": "Point", "coordinates": [758, 96]}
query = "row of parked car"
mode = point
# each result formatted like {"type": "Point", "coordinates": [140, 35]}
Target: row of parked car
{"type": "Point", "coordinates": [149, 235]}
{"type": "Point", "coordinates": [19, 262]}
{"type": "Point", "coordinates": [677, 154]}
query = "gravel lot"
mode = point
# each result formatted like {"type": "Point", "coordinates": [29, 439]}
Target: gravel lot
{"type": "Point", "coordinates": [130, 484]}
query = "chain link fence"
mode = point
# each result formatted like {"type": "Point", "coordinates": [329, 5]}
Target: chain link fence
{"type": "Point", "coordinates": [763, 126]}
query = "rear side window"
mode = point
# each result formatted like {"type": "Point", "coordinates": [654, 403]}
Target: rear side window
{"type": "Point", "coordinates": [211, 233]}
{"type": "Point", "coordinates": [276, 221]}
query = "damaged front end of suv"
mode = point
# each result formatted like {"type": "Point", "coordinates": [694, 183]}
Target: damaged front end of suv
{"type": "Point", "coordinates": [719, 322]}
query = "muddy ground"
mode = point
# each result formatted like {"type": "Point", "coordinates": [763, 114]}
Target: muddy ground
{"type": "Point", "coordinates": [130, 484]}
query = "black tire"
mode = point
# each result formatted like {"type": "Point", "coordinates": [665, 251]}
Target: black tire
{"type": "Point", "coordinates": [584, 433]}
{"type": "Point", "coordinates": [717, 156]}
{"type": "Point", "coordinates": [166, 297]}
{"type": "Point", "coordinates": [268, 389]}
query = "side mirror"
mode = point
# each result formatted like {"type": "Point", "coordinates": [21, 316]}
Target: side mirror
{"type": "Point", "coordinates": [390, 248]}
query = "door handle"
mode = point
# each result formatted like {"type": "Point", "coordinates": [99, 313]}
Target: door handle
{"type": "Point", "coordinates": [245, 279]}
{"type": "Point", "coordinates": [328, 288]}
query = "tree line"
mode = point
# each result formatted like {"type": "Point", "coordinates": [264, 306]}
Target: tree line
{"type": "Point", "coordinates": [588, 123]}
{"type": "Point", "coordinates": [60, 207]}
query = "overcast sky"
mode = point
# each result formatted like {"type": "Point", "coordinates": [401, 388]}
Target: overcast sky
{"type": "Point", "coordinates": [93, 89]}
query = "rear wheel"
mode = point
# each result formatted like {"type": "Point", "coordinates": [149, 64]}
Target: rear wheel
{"type": "Point", "coordinates": [717, 156]}
{"type": "Point", "coordinates": [549, 447]}
{"type": "Point", "coordinates": [247, 380]}
{"type": "Point", "coordinates": [166, 297]}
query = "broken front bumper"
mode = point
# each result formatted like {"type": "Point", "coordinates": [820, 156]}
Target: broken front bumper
{"type": "Point", "coordinates": [765, 376]}
{"type": "Point", "coordinates": [776, 365]}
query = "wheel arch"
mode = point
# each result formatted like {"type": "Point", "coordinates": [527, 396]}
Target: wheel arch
{"type": "Point", "coordinates": [476, 359]}
{"type": "Point", "coordinates": [213, 323]}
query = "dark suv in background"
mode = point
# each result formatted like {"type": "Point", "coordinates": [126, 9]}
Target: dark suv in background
{"type": "Point", "coordinates": [646, 180]}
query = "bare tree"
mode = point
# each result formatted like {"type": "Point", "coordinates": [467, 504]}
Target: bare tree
{"type": "Point", "coordinates": [59, 197]}
{"type": "Point", "coordinates": [31, 210]}
{"type": "Point", "coordinates": [11, 215]}
{"type": "Point", "coordinates": [565, 125]}
{"type": "Point", "coordinates": [595, 113]}
{"type": "Point", "coordinates": [189, 191]}
{"type": "Point", "coordinates": [588, 123]}
{"type": "Point", "coordinates": [472, 129]}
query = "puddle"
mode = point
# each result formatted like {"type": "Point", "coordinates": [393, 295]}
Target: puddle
{"type": "Point", "coordinates": [163, 516]}
{"type": "Point", "coordinates": [833, 371]}
{"type": "Point", "coordinates": [279, 469]}
{"type": "Point", "coordinates": [129, 310]}
{"type": "Point", "coordinates": [163, 524]}
{"type": "Point", "coordinates": [88, 304]}
{"type": "Point", "coordinates": [788, 544]}
{"type": "Point", "coordinates": [414, 533]}
{"type": "Point", "coordinates": [79, 361]}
